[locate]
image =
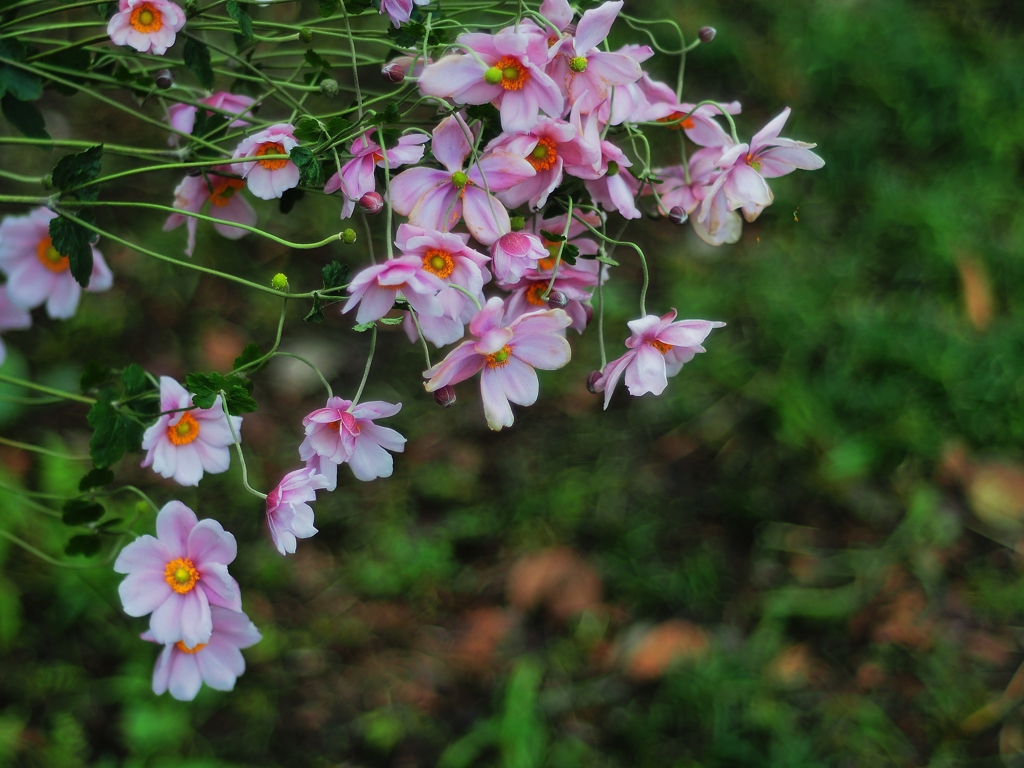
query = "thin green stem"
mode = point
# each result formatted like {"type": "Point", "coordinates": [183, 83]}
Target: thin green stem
{"type": "Point", "coordinates": [46, 390]}
{"type": "Point", "coordinates": [42, 555]}
{"type": "Point", "coordinates": [238, 447]}
{"type": "Point", "coordinates": [558, 256]}
{"type": "Point", "coordinates": [315, 369]}
{"type": "Point", "coordinates": [369, 361]}
{"type": "Point", "coordinates": [639, 252]}
{"type": "Point", "coordinates": [41, 450]}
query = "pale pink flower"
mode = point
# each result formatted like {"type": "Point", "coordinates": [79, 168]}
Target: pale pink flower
{"type": "Point", "coordinates": [575, 284]}
{"type": "Point", "coordinates": [178, 575]}
{"type": "Point", "coordinates": [356, 177]}
{"type": "Point", "coordinates": [505, 356]}
{"type": "Point", "coordinates": [658, 348]}
{"type": "Point", "coordinates": [148, 26]}
{"type": "Point", "coordinates": [436, 199]}
{"type": "Point", "coordinates": [515, 252]}
{"type": "Point", "coordinates": [375, 289]}
{"type": "Point", "coordinates": [268, 179]}
{"type": "Point", "coordinates": [343, 433]}
{"type": "Point", "coordinates": [289, 516]}
{"type": "Point", "coordinates": [37, 273]}
{"type": "Point", "coordinates": [190, 441]}
{"type": "Point", "coordinates": [399, 11]}
{"type": "Point", "coordinates": [506, 70]}
{"type": "Point", "coordinates": [225, 203]}
{"type": "Point", "coordinates": [630, 103]}
{"type": "Point", "coordinates": [11, 318]}
{"type": "Point", "coordinates": [182, 117]}
{"type": "Point", "coordinates": [182, 670]}
{"type": "Point", "coordinates": [721, 225]}
{"type": "Point", "coordinates": [611, 186]}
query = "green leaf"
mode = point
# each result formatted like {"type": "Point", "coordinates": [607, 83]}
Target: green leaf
{"type": "Point", "coordinates": [390, 115]}
{"type": "Point", "coordinates": [307, 129]}
{"type": "Point", "coordinates": [240, 13]}
{"type": "Point", "coordinates": [335, 275]}
{"type": "Point", "coordinates": [71, 239]}
{"type": "Point", "coordinates": [363, 327]}
{"type": "Point", "coordinates": [250, 354]}
{"type": "Point", "coordinates": [73, 59]}
{"type": "Point", "coordinates": [94, 376]}
{"type": "Point", "coordinates": [310, 172]}
{"type": "Point", "coordinates": [97, 478]}
{"type": "Point", "coordinates": [114, 433]}
{"type": "Point", "coordinates": [338, 125]}
{"type": "Point", "coordinates": [21, 84]}
{"type": "Point", "coordinates": [206, 386]}
{"type": "Point", "coordinates": [197, 60]}
{"type": "Point", "coordinates": [24, 116]}
{"type": "Point", "coordinates": [315, 60]}
{"type": "Point", "coordinates": [289, 199]}
{"type": "Point", "coordinates": [328, 7]}
{"type": "Point", "coordinates": [355, 7]}
{"type": "Point", "coordinates": [316, 314]}
{"type": "Point", "coordinates": [411, 35]}
{"type": "Point", "coordinates": [391, 320]}
{"type": "Point", "coordinates": [570, 253]}
{"type": "Point", "coordinates": [78, 169]}
{"type": "Point", "coordinates": [551, 237]}
{"type": "Point", "coordinates": [106, 10]}
{"type": "Point", "coordinates": [87, 545]}
{"type": "Point", "coordinates": [82, 511]}
{"type": "Point", "coordinates": [135, 380]}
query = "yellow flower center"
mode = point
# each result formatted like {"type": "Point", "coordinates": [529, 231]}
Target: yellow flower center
{"type": "Point", "coordinates": [50, 257]}
{"type": "Point", "coordinates": [225, 189]}
{"type": "Point", "coordinates": [145, 18]}
{"type": "Point", "coordinates": [272, 148]}
{"type": "Point", "coordinates": [180, 645]}
{"type": "Point", "coordinates": [543, 155]}
{"type": "Point", "coordinates": [513, 74]}
{"type": "Point", "coordinates": [185, 431]}
{"type": "Point", "coordinates": [438, 262]}
{"type": "Point", "coordinates": [752, 162]}
{"type": "Point", "coordinates": [181, 575]}
{"type": "Point", "coordinates": [500, 358]}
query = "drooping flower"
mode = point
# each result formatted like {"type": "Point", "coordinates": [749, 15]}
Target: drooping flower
{"type": "Point", "coordinates": [658, 348]}
{"type": "Point", "coordinates": [178, 575]}
{"type": "Point", "coordinates": [527, 295]}
{"type": "Point", "coordinates": [289, 516]}
{"type": "Point", "coordinates": [268, 179]}
{"type": "Point", "coordinates": [185, 442]}
{"type": "Point", "coordinates": [343, 433]}
{"type": "Point", "coordinates": [37, 273]}
{"type": "Point", "coordinates": [436, 199]}
{"type": "Point", "coordinates": [515, 252]}
{"type": "Point", "coordinates": [674, 190]}
{"type": "Point", "coordinates": [375, 288]}
{"type": "Point", "coordinates": [148, 26]}
{"type": "Point", "coordinates": [182, 670]}
{"type": "Point", "coordinates": [226, 204]}
{"type": "Point", "coordinates": [611, 186]}
{"type": "Point", "coordinates": [11, 318]}
{"type": "Point", "coordinates": [182, 117]}
{"type": "Point", "coordinates": [505, 356]}
{"type": "Point", "coordinates": [356, 176]}
{"type": "Point", "coordinates": [399, 11]}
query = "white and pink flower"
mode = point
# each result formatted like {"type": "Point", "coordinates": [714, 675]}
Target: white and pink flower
{"type": "Point", "coordinates": [356, 176]}
{"type": "Point", "coordinates": [515, 252]}
{"type": "Point", "coordinates": [375, 289]}
{"type": "Point", "coordinates": [148, 26]}
{"type": "Point", "coordinates": [343, 433]}
{"type": "Point", "coordinates": [182, 117]}
{"type": "Point", "coordinates": [269, 179]}
{"type": "Point", "coordinates": [399, 11]}
{"type": "Point", "coordinates": [226, 204]}
{"type": "Point", "coordinates": [289, 516]}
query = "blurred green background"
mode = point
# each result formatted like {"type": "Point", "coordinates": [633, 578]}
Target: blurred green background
{"type": "Point", "coordinates": [806, 553]}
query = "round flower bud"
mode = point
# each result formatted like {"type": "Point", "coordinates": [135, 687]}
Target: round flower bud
{"type": "Point", "coordinates": [492, 76]}
{"type": "Point", "coordinates": [592, 382]}
{"type": "Point", "coordinates": [371, 202]}
{"type": "Point", "coordinates": [164, 79]}
{"type": "Point", "coordinates": [677, 215]}
{"type": "Point", "coordinates": [306, 35]}
{"type": "Point", "coordinates": [706, 34]}
{"type": "Point", "coordinates": [445, 396]}
{"type": "Point", "coordinates": [518, 223]}
{"type": "Point", "coordinates": [578, 64]}
{"type": "Point", "coordinates": [588, 313]}
{"type": "Point", "coordinates": [557, 300]}
{"type": "Point", "coordinates": [329, 87]}
{"type": "Point", "coordinates": [142, 508]}
{"type": "Point", "coordinates": [191, 8]}
{"type": "Point", "coordinates": [348, 236]}
{"type": "Point", "coordinates": [393, 72]}
{"type": "Point", "coordinates": [279, 282]}
{"type": "Point", "coordinates": [613, 168]}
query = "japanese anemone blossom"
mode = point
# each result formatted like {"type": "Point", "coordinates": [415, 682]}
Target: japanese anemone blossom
{"type": "Point", "coordinates": [575, 284]}
{"type": "Point", "coordinates": [182, 117]}
{"type": "Point", "coordinates": [37, 273]}
{"type": "Point", "coordinates": [611, 186]}
{"type": "Point", "coordinates": [436, 199]}
{"type": "Point", "coordinates": [190, 441]}
{"type": "Point", "coordinates": [148, 26]}
{"type": "Point", "coordinates": [375, 288]}
{"type": "Point", "coordinates": [505, 357]}
{"type": "Point", "coordinates": [515, 252]}
{"type": "Point", "coordinates": [344, 433]}
{"type": "Point", "coordinates": [289, 516]}
{"type": "Point", "coordinates": [11, 318]}
{"type": "Point", "coordinates": [226, 204]}
{"type": "Point", "coordinates": [179, 575]}
{"type": "Point", "coordinates": [721, 225]}
{"type": "Point", "coordinates": [356, 176]}
{"type": "Point", "coordinates": [218, 663]}
{"type": "Point", "coordinates": [399, 11]}
{"type": "Point", "coordinates": [268, 179]}
{"type": "Point", "coordinates": [505, 70]}
{"type": "Point", "coordinates": [658, 348]}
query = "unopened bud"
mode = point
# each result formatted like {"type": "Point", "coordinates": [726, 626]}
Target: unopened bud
{"type": "Point", "coordinates": [164, 79]}
{"type": "Point", "coordinates": [348, 236]}
{"type": "Point", "coordinates": [677, 215]}
{"type": "Point", "coordinates": [613, 168]}
{"type": "Point", "coordinates": [592, 382]}
{"type": "Point", "coordinates": [191, 8]}
{"type": "Point", "coordinates": [588, 313]}
{"type": "Point", "coordinates": [141, 508]}
{"type": "Point", "coordinates": [393, 72]}
{"type": "Point", "coordinates": [279, 282]}
{"type": "Point", "coordinates": [557, 300]}
{"type": "Point", "coordinates": [445, 396]}
{"type": "Point", "coordinates": [329, 87]}
{"type": "Point", "coordinates": [193, 172]}
{"type": "Point", "coordinates": [306, 35]}
{"type": "Point", "coordinates": [706, 34]}
{"type": "Point", "coordinates": [371, 202]}
{"type": "Point", "coordinates": [518, 223]}
{"type": "Point", "coordinates": [578, 64]}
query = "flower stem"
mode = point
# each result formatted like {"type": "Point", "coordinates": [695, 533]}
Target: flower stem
{"type": "Point", "coordinates": [366, 370]}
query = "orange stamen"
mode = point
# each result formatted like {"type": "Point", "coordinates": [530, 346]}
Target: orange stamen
{"type": "Point", "coordinates": [224, 190]}
{"type": "Point", "coordinates": [687, 123]}
{"type": "Point", "coordinates": [513, 74]}
{"type": "Point", "coordinates": [272, 148]}
{"type": "Point", "coordinates": [181, 575]}
{"type": "Point", "coordinates": [534, 293]}
{"type": "Point", "coordinates": [180, 645]}
{"type": "Point", "coordinates": [147, 19]}
{"type": "Point", "coordinates": [500, 358]}
{"type": "Point", "coordinates": [661, 346]}
{"type": "Point", "coordinates": [438, 262]}
{"type": "Point", "coordinates": [185, 431]}
{"type": "Point", "coordinates": [543, 155]}
{"type": "Point", "coordinates": [50, 257]}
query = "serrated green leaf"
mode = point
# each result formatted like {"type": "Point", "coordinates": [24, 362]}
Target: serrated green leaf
{"type": "Point", "coordinates": [94, 376]}
{"type": "Point", "coordinates": [551, 237]}
{"type": "Point", "coordinates": [240, 401]}
{"type": "Point", "coordinates": [310, 172]}
{"type": "Point", "coordinates": [77, 169]}
{"type": "Point", "coordinates": [113, 434]}
{"type": "Point", "coordinates": [315, 60]}
{"type": "Point", "coordinates": [316, 314]}
{"type": "Point", "coordinates": [335, 275]}
{"type": "Point", "coordinates": [240, 13]}
{"type": "Point", "coordinates": [206, 386]}
{"type": "Point", "coordinates": [391, 320]}
{"type": "Point", "coordinates": [71, 239]}
{"type": "Point", "coordinates": [82, 511]}
{"type": "Point", "coordinates": [363, 327]}
{"type": "Point", "coordinates": [135, 380]}
{"type": "Point", "coordinates": [570, 253]}
{"type": "Point", "coordinates": [24, 116]}
{"type": "Point", "coordinates": [338, 125]}
{"type": "Point", "coordinates": [197, 60]}
{"type": "Point", "coordinates": [308, 129]}
{"type": "Point", "coordinates": [250, 354]}
{"type": "Point", "coordinates": [87, 545]}
{"type": "Point", "coordinates": [96, 478]}
{"type": "Point", "coordinates": [20, 83]}
{"type": "Point", "coordinates": [328, 8]}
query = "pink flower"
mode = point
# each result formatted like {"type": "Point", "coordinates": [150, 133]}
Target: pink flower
{"type": "Point", "coordinates": [506, 357]}
{"type": "Point", "coordinates": [182, 117]}
{"type": "Point", "coordinates": [37, 273]}
{"type": "Point", "coordinates": [356, 177]}
{"type": "Point", "coordinates": [222, 192]}
{"type": "Point", "coordinates": [576, 284]}
{"type": "Point", "coordinates": [178, 575]}
{"type": "Point", "coordinates": [11, 318]}
{"type": "Point", "coordinates": [658, 348]}
{"type": "Point", "coordinates": [577, 235]}
{"type": "Point", "coordinates": [182, 670]}
{"type": "Point", "coordinates": [399, 11]}
{"type": "Point", "coordinates": [289, 515]}
{"type": "Point", "coordinates": [611, 186]}
{"type": "Point", "coordinates": [506, 71]}
{"type": "Point", "coordinates": [184, 444]}
{"type": "Point", "coordinates": [268, 179]}
{"type": "Point", "coordinates": [148, 26]}
{"type": "Point", "coordinates": [515, 252]}
{"type": "Point", "coordinates": [436, 199]}
{"type": "Point", "coordinates": [721, 225]}
{"type": "Point", "coordinates": [375, 288]}
{"type": "Point", "coordinates": [345, 433]}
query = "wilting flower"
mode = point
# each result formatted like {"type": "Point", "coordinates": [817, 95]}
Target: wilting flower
{"type": "Point", "coordinates": [182, 117]}
{"type": "Point", "coordinates": [182, 670]}
{"type": "Point", "coordinates": [185, 441]}
{"type": "Point", "coordinates": [289, 515]}
{"type": "Point", "coordinates": [375, 288]}
{"type": "Point", "coordinates": [515, 252]}
{"type": "Point", "coordinates": [178, 575]}
{"type": "Point", "coordinates": [37, 273]}
{"type": "Point", "coordinates": [11, 318]}
{"type": "Point", "coordinates": [268, 179]}
{"type": "Point", "coordinates": [148, 26]}
{"type": "Point", "coordinates": [658, 348]}
{"type": "Point", "coordinates": [226, 204]}
{"type": "Point", "coordinates": [399, 11]}
{"type": "Point", "coordinates": [506, 357]}
{"type": "Point", "coordinates": [356, 176]}
{"type": "Point", "coordinates": [344, 433]}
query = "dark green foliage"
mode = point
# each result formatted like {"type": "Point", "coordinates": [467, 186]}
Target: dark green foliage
{"type": "Point", "coordinates": [250, 354]}
{"type": "Point", "coordinates": [411, 35]}
{"type": "Point", "coordinates": [310, 172]}
{"type": "Point", "coordinates": [197, 59]}
{"type": "Point", "coordinates": [71, 239]}
{"type": "Point", "coordinates": [24, 116]}
{"type": "Point", "coordinates": [77, 170]}
{"type": "Point", "coordinates": [114, 432]}
{"type": "Point", "coordinates": [94, 376]}
{"type": "Point", "coordinates": [86, 544]}
{"type": "Point", "coordinates": [96, 478]}
{"type": "Point", "coordinates": [335, 275]}
{"type": "Point", "coordinates": [19, 83]}
{"type": "Point", "coordinates": [82, 511]}
{"type": "Point", "coordinates": [328, 7]}
{"type": "Point", "coordinates": [240, 13]}
{"type": "Point", "coordinates": [206, 387]}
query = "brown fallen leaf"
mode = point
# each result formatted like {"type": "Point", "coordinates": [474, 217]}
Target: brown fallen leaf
{"type": "Point", "coordinates": [978, 300]}
{"type": "Point", "coordinates": [476, 648]}
{"type": "Point", "coordinates": [664, 645]}
{"type": "Point", "coordinates": [558, 579]}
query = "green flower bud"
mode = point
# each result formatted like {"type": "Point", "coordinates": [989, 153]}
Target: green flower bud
{"type": "Point", "coordinates": [279, 282]}
{"type": "Point", "coordinates": [329, 87]}
{"type": "Point", "coordinates": [578, 64]}
{"type": "Point", "coordinates": [306, 35]}
{"type": "Point", "coordinates": [492, 76]}
{"type": "Point", "coordinates": [518, 223]}
{"type": "Point", "coordinates": [348, 236]}
{"type": "Point", "coordinates": [141, 508]}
